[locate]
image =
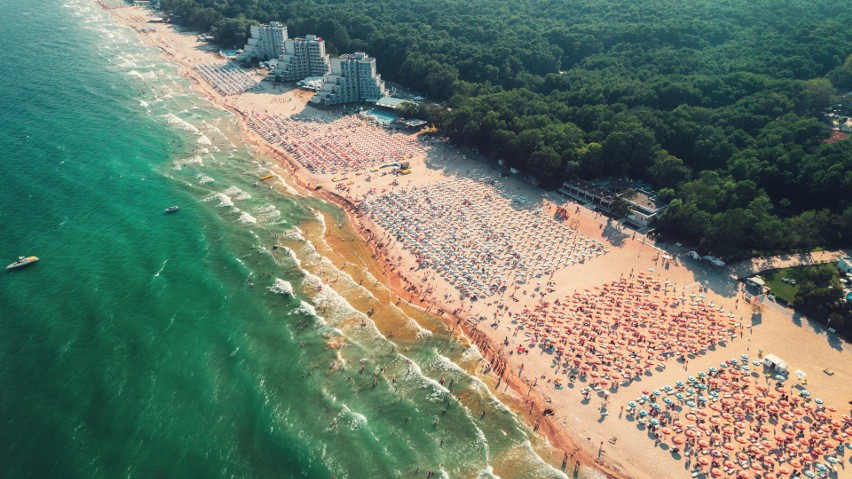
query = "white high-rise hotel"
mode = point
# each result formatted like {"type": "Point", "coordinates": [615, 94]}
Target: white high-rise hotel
{"type": "Point", "coordinates": [266, 42]}
{"type": "Point", "coordinates": [353, 78]}
{"type": "Point", "coordinates": [302, 58]}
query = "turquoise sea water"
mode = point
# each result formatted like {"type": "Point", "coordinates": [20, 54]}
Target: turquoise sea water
{"type": "Point", "coordinates": [153, 345]}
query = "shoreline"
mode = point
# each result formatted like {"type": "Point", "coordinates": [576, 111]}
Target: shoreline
{"type": "Point", "coordinates": [526, 400]}
{"type": "Point", "coordinates": [544, 426]}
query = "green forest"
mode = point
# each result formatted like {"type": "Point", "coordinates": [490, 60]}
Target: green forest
{"type": "Point", "coordinates": [716, 103]}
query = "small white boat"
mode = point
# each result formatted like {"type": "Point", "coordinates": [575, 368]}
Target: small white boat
{"type": "Point", "coordinates": [22, 261]}
{"type": "Point", "coordinates": [172, 209]}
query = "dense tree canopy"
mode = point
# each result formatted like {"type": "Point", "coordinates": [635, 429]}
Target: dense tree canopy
{"type": "Point", "coordinates": [715, 102]}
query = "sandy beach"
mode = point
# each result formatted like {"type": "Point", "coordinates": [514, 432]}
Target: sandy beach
{"type": "Point", "coordinates": [534, 281]}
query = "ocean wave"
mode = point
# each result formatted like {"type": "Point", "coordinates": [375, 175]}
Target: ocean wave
{"type": "Point", "coordinates": [179, 163]}
{"type": "Point", "coordinates": [246, 219]}
{"type": "Point", "coordinates": [293, 234]}
{"type": "Point", "coordinates": [309, 310]}
{"type": "Point", "coordinates": [266, 212]}
{"type": "Point", "coordinates": [203, 180]}
{"type": "Point", "coordinates": [281, 286]}
{"type": "Point", "coordinates": [221, 199]}
{"type": "Point", "coordinates": [236, 193]}
{"type": "Point", "coordinates": [438, 393]}
{"type": "Point", "coordinates": [355, 420]}
{"type": "Point", "coordinates": [173, 119]}
{"type": "Point", "coordinates": [487, 473]}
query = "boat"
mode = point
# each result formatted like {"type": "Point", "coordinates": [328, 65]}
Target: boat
{"type": "Point", "coordinates": [265, 177]}
{"type": "Point", "coordinates": [22, 261]}
{"type": "Point", "coordinates": [172, 209]}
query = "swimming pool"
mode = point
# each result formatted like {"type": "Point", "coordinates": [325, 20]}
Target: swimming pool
{"type": "Point", "coordinates": [383, 116]}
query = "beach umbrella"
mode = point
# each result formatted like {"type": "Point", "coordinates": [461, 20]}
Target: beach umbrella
{"type": "Point", "coordinates": [677, 440]}
{"type": "Point", "coordinates": [655, 422]}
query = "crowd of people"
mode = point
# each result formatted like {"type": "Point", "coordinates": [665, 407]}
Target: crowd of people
{"type": "Point", "coordinates": [740, 421]}
{"type": "Point", "coordinates": [227, 77]}
{"type": "Point", "coordinates": [345, 144]}
{"type": "Point", "coordinates": [476, 236]}
{"type": "Point", "coordinates": [612, 334]}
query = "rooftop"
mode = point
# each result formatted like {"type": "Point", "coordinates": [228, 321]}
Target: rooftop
{"type": "Point", "coordinates": [390, 102]}
{"type": "Point", "coordinates": [646, 201]}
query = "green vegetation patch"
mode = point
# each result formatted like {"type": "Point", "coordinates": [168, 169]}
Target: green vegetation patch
{"type": "Point", "coordinates": [718, 105]}
{"type": "Point", "coordinates": [815, 291]}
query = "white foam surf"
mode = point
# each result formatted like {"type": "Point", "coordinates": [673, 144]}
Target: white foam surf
{"type": "Point", "coordinates": [236, 193]}
{"type": "Point", "coordinates": [222, 200]}
{"type": "Point", "coordinates": [246, 218]}
{"type": "Point", "coordinates": [281, 286]}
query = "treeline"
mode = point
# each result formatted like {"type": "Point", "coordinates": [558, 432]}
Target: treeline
{"type": "Point", "coordinates": [717, 104]}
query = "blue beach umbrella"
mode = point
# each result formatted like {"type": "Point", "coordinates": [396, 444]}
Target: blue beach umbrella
{"type": "Point", "coordinates": [779, 377]}
{"type": "Point", "coordinates": [702, 374]}
{"type": "Point", "coordinates": [643, 413]}
{"type": "Point", "coordinates": [818, 401]}
{"type": "Point", "coordinates": [690, 403]}
{"type": "Point", "coordinates": [805, 393]}
{"type": "Point", "coordinates": [655, 422]}
{"type": "Point", "coordinates": [631, 405]}
{"type": "Point", "coordinates": [713, 370]}
{"type": "Point", "coordinates": [679, 384]}
{"type": "Point", "coordinates": [668, 401]}
{"type": "Point", "coordinates": [679, 396]}
{"type": "Point", "coordinates": [656, 392]}
{"type": "Point", "coordinates": [655, 407]}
